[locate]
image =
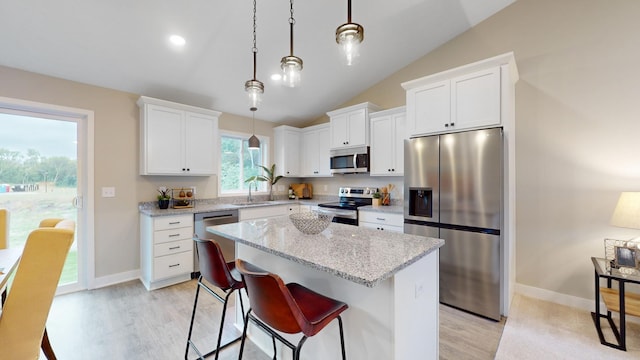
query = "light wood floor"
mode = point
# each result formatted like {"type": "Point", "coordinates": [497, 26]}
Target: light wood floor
{"type": "Point", "coordinates": [126, 321]}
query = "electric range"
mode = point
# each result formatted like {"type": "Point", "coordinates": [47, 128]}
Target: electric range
{"type": "Point", "coordinates": [345, 211]}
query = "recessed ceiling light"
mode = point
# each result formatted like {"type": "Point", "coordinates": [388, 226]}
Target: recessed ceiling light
{"type": "Point", "coordinates": [276, 77]}
{"type": "Point", "coordinates": [177, 40]}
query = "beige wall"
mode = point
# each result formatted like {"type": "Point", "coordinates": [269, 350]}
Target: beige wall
{"type": "Point", "coordinates": [116, 160]}
{"type": "Point", "coordinates": [577, 120]}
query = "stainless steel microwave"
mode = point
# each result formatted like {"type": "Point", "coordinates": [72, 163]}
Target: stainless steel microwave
{"type": "Point", "coordinates": [350, 161]}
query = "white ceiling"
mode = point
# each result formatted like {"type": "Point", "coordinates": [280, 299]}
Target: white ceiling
{"type": "Point", "coordinates": [122, 44]}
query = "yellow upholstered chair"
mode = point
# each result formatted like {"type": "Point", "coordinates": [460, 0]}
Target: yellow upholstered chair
{"type": "Point", "coordinates": [23, 318]}
{"type": "Point", "coordinates": [4, 228]}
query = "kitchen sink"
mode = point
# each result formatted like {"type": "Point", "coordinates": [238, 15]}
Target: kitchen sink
{"type": "Point", "coordinates": [251, 203]}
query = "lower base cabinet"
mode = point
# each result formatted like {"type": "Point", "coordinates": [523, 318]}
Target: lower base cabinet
{"type": "Point", "coordinates": [166, 250]}
{"type": "Point", "coordinates": [381, 220]}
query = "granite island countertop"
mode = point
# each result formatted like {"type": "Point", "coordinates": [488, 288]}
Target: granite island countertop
{"type": "Point", "coordinates": [364, 256]}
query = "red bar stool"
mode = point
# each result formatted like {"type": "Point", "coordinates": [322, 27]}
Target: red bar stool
{"type": "Point", "coordinates": [289, 308]}
{"type": "Point", "coordinates": [217, 272]}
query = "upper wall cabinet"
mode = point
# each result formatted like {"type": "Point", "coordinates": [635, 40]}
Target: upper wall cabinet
{"type": "Point", "coordinates": [469, 97]}
{"type": "Point", "coordinates": [388, 131]}
{"type": "Point", "coordinates": [177, 139]}
{"type": "Point", "coordinates": [350, 126]}
{"type": "Point", "coordinates": [287, 150]}
{"type": "Point", "coordinates": [315, 151]}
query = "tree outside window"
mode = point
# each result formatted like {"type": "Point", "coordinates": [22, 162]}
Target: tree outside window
{"type": "Point", "coordinates": [238, 163]}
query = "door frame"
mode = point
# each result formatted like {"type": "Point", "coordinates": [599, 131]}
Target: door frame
{"type": "Point", "coordinates": [85, 137]}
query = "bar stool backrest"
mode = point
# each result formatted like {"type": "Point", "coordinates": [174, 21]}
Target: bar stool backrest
{"type": "Point", "coordinates": [270, 299]}
{"type": "Point", "coordinates": [213, 266]}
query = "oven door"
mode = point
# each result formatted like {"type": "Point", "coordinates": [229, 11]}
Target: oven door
{"type": "Point", "coordinates": [349, 217]}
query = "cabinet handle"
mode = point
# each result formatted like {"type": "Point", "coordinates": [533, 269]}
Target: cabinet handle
{"type": "Point", "coordinates": [175, 247]}
{"type": "Point", "coordinates": [174, 235]}
{"type": "Point", "coordinates": [381, 219]}
{"type": "Point", "coordinates": [446, 125]}
{"type": "Point", "coordinates": [174, 223]}
{"type": "Point", "coordinates": [183, 169]}
{"type": "Point", "coordinates": [174, 265]}
{"type": "Point", "coordinates": [393, 169]}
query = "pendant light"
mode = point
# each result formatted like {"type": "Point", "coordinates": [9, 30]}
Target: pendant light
{"type": "Point", "coordinates": [349, 36]}
{"type": "Point", "coordinates": [291, 65]}
{"type": "Point", "coordinates": [254, 142]}
{"type": "Point", "coordinates": [254, 87]}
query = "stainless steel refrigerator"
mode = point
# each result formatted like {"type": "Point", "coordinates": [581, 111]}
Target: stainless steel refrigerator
{"type": "Point", "coordinates": [453, 190]}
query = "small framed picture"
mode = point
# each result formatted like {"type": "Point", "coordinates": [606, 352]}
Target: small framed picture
{"type": "Point", "coordinates": [625, 256]}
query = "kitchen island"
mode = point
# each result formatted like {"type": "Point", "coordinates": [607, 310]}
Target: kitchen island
{"type": "Point", "coordinates": [389, 280]}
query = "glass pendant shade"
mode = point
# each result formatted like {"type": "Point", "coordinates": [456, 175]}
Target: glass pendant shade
{"type": "Point", "coordinates": [254, 89]}
{"type": "Point", "coordinates": [254, 143]}
{"type": "Point", "coordinates": [291, 69]}
{"type": "Point", "coordinates": [349, 36]}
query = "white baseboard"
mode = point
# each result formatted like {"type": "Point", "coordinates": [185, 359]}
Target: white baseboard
{"type": "Point", "coordinates": [564, 299]}
{"type": "Point", "coordinates": [114, 279]}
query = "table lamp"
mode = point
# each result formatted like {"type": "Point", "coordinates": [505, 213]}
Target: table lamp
{"type": "Point", "coordinates": [627, 212]}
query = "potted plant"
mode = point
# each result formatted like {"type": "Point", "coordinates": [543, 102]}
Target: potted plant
{"type": "Point", "coordinates": [377, 199]}
{"type": "Point", "coordinates": [163, 197]}
{"type": "Point", "coordinates": [269, 176]}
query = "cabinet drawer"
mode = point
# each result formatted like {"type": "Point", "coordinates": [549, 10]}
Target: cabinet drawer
{"type": "Point", "coordinates": [382, 218]}
{"type": "Point", "coordinates": [164, 236]}
{"type": "Point", "coordinates": [398, 229]}
{"type": "Point", "coordinates": [172, 222]}
{"type": "Point", "coordinates": [173, 247]}
{"type": "Point", "coordinates": [172, 265]}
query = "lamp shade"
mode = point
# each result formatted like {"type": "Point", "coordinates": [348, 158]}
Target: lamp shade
{"type": "Point", "coordinates": [254, 143]}
{"type": "Point", "coordinates": [627, 212]}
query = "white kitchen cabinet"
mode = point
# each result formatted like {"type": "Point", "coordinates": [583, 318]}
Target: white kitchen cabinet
{"type": "Point", "coordinates": [469, 97]}
{"type": "Point", "coordinates": [177, 139]}
{"type": "Point", "coordinates": [388, 131]}
{"type": "Point", "coordinates": [261, 212]}
{"type": "Point", "coordinates": [166, 250]}
{"type": "Point", "coordinates": [287, 150]}
{"type": "Point", "coordinates": [381, 220]}
{"type": "Point", "coordinates": [350, 126]}
{"type": "Point", "coordinates": [315, 151]}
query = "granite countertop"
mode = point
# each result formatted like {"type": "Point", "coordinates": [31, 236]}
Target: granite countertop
{"type": "Point", "coordinates": [364, 256]}
{"type": "Point", "coordinates": [151, 208]}
{"type": "Point", "coordinates": [393, 209]}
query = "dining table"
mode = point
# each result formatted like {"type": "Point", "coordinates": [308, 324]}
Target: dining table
{"type": "Point", "coordinates": [9, 259]}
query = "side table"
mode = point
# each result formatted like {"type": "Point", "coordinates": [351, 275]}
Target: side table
{"type": "Point", "coordinates": [615, 300]}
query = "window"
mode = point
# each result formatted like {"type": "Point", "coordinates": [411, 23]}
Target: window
{"type": "Point", "coordinates": [238, 163]}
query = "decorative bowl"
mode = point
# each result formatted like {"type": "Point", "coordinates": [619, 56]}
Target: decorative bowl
{"type": "Point", "coordinates": [311, 222]}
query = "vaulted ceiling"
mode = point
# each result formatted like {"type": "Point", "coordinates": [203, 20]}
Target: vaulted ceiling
{"type": "Point", "coordinates": [123, 45]}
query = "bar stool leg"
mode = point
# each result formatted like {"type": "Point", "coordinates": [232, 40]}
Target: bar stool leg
{"type": "Point", "coordinates": [193, 316]}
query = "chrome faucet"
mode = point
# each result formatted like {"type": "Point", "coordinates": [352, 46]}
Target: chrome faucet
{"type": "Point", "coordinates": [249, 198]}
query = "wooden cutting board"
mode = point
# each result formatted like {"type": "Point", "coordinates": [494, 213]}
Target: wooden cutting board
{"type": "Point", "coordinates": [302, 191]}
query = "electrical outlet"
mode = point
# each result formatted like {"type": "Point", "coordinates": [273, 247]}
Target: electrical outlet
{"type": "Point", "coordinates": [108, 192]}
{"type": "Point", "coordinates": [193, 189]}
{"type": "Point", "coordinates": [419, 289]}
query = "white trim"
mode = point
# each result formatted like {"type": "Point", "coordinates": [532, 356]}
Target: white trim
{"type": "Point", "coordinates": [86, 122]}
{"type": "Point", "coordinates": [116, 279]}
{"type": "Point", "coordinates": [564, 299]}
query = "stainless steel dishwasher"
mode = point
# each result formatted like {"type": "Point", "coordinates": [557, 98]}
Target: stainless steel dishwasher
{"type": "Point", "coordinates": [204, 219]}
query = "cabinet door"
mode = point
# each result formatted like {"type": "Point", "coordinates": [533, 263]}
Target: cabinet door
{"type": "Point", "coordinates": [357, 128]}
{"type": "Point", "coordinates": [382, 145]}
{"type": "Point", "coordinates": [292, 153]}
{"type": "Point", "coordinates": [429, 108]}
{"type": "Point", "coordinates": [399, 134]}
{"type": "Point", "coordinates": [201, 144]}
{"type": "Point", "coordinates": [309, 161]}
{"type": "Point", "coordinates": [164, 136]}
{"type": "Point", "coordinates": [476, 99]}
{"type": "Point", "coordinates": [324, 168]}
{"type": "Point", "coordinates": [339, 131]}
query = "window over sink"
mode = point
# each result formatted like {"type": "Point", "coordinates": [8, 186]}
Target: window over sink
{"type": "Point", "coordinates": [238, 163]}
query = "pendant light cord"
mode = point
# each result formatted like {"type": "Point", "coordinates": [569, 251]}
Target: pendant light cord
{"type": "Point", "coordinates": [349, 11]}
{"type": "Point", "coordinates": [292, 21]}
{"type": "Point", "coordinates": [255, 47]}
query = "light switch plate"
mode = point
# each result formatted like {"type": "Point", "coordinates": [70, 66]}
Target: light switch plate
{"type": "Point", "coordinates": [108, 192]}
